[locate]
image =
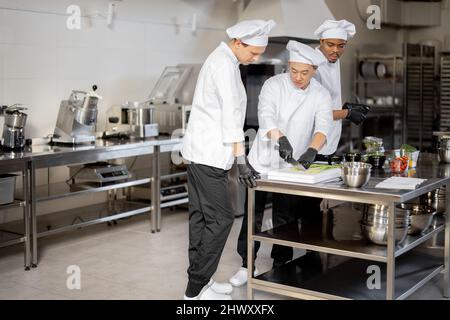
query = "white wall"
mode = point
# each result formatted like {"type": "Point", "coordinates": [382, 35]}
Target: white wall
{"type": "Point", "coordinates": [42, 61]}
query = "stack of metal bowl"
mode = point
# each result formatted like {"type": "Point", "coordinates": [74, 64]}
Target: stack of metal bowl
{"type": "Point", "coordinates": [435, 199]}
{"type": "Point", "coordinates": [421, 216]}
{"type": "Point", "coordinates": [356, 174]}
{"type": "Point", "coordinates": [444, 150]}
{"type": "Point", "coordinates": [375, 222]}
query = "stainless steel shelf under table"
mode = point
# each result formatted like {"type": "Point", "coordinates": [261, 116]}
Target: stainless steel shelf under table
{"type": "Point", "coordinates": [46, 156]}
{"type": "Point", "coordinates": [91, 215]}
{"type": "Point", "coordinates": [437, 175]}
{"type": "Point", "coordinates": [18, 162]}
{"type": "Point", "coordinates": [62, 189]}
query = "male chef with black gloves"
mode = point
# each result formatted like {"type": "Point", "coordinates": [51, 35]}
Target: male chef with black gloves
{"type": "Point", "coordinates": [334, 36]}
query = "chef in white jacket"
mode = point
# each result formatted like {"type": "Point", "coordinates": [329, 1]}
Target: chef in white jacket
{"type": "Point", "coordinates": [334, 36]}
{"type": "Point", "coordinates": [295, 115]}
{"type": "Point", "coordinates": [212, 143]}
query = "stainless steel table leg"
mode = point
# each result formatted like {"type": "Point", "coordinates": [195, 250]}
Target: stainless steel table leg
{"type": "Point", "coordinates": [250, 243]}
{"type": "Point", "coordinates": [447, 245]}
{"type": "Point", "coordinates": [157, 153]}
{"type": "Point", "coordinates": [33, 213]}
{"type": "Point", "coordinates": [390, 274]}
{"type": "Point", "coordinates": [156, 185]}
{"type": "Point", "coordinates": [26, 217]}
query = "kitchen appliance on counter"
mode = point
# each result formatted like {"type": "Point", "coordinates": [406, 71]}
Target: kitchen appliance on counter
{"type": "Point", "coordinates": [131, 120]}
{"type": "Point", "coordinates": [172, 96]}
{"type": "Point", "coordinates": [77, 118]}
{"type": "Point", "coordinates": [13, 136]}
{"type": "Point", "coordinates": [98, 172]}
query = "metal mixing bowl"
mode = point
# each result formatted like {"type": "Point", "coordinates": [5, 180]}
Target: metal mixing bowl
{"type": "Point", "coordinates": [444, 154]}
{"type": "Point", "coordinates": [420, 223]}
{"type": "Point", "coordinates": [421, 217]}
{"type": "Point", "coordinates": [401, 218]}
{"type": "Point", "coordinates": [356, 174]}
{"type": "Point", "coordinates": [378, 221]}
{"type": "Point", "coordinates": [435, 199]}
{"type": "Point", "coordinates": [379, 234]}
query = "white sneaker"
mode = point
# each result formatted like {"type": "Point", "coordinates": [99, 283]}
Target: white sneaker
{"type": "Point", "coordinates": [221, 288]}
{"type": "Point", "coordinates": [208, 294]}
{"type": "Point", "coordinates": [240, 278]}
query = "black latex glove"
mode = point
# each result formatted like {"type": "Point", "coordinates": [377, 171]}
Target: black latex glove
{"type": "Point", "coordinates": [308, 157]}
{"type": "Point", "coordinates": [285, 148]}
{"type": "Point", "coordinates": [356, 112]}
{"type": "Point", "coordinates": [247, 175]}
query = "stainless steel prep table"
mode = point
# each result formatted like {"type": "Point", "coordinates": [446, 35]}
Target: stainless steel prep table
{"type": "Point", "coordinates": [415, 269]}
{"type": "Point", "coordinates": [46, 156]}
{"type": "Point", "coordinates": [15, 162]}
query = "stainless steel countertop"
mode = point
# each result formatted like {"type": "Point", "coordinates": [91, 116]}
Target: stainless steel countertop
{"type": "Point", "coordinates": [428, 168]}
{"type": "Point", "coordinates": [37, 152]}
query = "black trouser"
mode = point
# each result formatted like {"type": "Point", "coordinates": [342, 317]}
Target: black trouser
{"type": "Point", "coordinates": [210, 221]}
{"type": "Point", "coordinates": [290, 208]}
{"type": "Point", "coordinates": [260, 205]}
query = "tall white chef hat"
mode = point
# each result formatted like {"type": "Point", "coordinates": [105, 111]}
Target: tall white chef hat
{"type": "Point", "coordinates": [299, 52]}
{"type": "Point", "coordinates": [252, 32]}
{"type": "Point", "coordinates": [331, 29]}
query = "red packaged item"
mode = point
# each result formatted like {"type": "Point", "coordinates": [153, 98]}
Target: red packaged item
{"type": "Point", "coordinates": [399, 165]}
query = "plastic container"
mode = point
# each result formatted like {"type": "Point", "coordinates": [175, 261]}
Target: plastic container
{"type": "Point", "coordinates": [413, 157]}
{"type": "Point", "coordinates": [7, 188]}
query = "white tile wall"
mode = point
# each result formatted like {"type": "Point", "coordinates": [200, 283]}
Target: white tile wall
{"type": "Point", "coordinates": [42, 61]}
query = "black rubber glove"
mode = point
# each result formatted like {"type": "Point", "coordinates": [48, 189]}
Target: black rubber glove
{"type": "Point", "coordinates": [285, 148]}
{"type": "Point", "coordinates": [247, 175]}
{"type": "Point", "coordinates": [356, 112]}
{"type": "Point", "coordinates": [308, 157]}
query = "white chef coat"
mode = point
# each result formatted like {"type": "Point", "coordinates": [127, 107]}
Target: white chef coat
{"type": "Point", "coordinates": [218, 111]}
{"type": "Point", "coordinates": [329, 76]}
{"type": "Point", "coordinates": [298, 114]}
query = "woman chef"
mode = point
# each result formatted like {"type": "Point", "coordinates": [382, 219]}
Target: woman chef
{"type": "Point", "coordinates": [213, 140]}
{"type": "Point", "coordinates": [295, 114]}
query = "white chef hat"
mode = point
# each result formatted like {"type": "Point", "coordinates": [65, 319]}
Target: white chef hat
{"type": "Point", "coordinates": [252, 32]}
{"type": "Point", "coordinates": [299, 52]}
{"type": "Point", "coordinates": [331, 29]}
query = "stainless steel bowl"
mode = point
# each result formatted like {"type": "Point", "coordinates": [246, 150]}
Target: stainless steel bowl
{"type": "Point", "coordinates": [444, 143]}
{"type": "Point", "coordinates": [356, 174]}
{"type": "Point", "coordinates": [399, 222]}
{"type": "Point", "coordinates": [435, 199]}
{"type": "Point", "coordinates": [420, 223]}
{"type": "Point", "coordinates": [375, 214]}
{"type": "Point", "coordinates": [421, 217]}
{"type": "Point", "coordinates": [379, 235]}
{"type": "Point", "coordinates": [444, 155]}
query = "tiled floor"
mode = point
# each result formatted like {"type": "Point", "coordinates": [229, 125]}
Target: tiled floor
{"type": "Point", "coordinates": [125, 261]}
